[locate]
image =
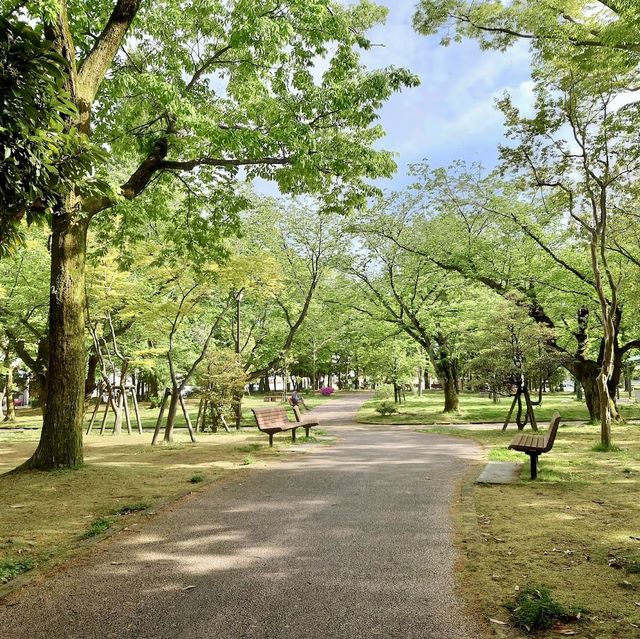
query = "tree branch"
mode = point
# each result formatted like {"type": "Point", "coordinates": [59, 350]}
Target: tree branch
{"type": "Point", "coordinates": [100, 58]}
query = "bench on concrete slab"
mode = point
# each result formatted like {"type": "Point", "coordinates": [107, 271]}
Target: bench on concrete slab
{"type": "Point", "coordinates": [536, 444]}
{"type": "Point", "coordinates": [306, 422]}
{"type": "Point", "coordinates": [274, 420]}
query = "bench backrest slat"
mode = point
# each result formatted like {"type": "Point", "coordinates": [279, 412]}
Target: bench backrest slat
{"type": "Point", "coordinates": [552, 431]}
{"type": "Point", "coordinates": [270, 417]}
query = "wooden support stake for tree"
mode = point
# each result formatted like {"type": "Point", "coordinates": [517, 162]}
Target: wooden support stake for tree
{"type": "Point", "coordinates": [199, 416]}
{"type": "Point", "coordinates": [163, 403]}
{"type": "Point", "coordinates": [136, 410]}
{"type": "Point", "coordinates": [106, 412]}
{"type": "Point", "coordinates": [224, 423]}
{"type": "Point", "coordinates": [95, 412]}
{"type": "Point", "coordinates": [513, 405]}
{"type": "Point", "coordinates": [126, 410]}
{"type": "Point", "coordinates": [117, 424]}
{"type": "Point", "coordinates": [532, 417]}
{"type": "Point", "coordinates": [187, 418]}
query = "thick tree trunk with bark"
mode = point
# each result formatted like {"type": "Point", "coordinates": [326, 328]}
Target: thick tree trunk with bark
{"type": "Point", "coordinates": [447, 373]}
{"type": "Point", "coordinates": [451, 401]}
{"type": "Point", "coordinates": [586, 372]}
{"type": "Point", "coordinates": [61, 440]}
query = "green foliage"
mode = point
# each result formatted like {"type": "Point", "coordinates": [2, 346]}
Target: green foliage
{"type": "Point", "coordinates": [249, 459]}
{"type": "Point", "coordinates": [196, 479]}
{"type": "Point", "coordinates": [41, 158]}
{"type": "Point", "coordinates": [581, 33]}
{"type": "Point", "coordinates": [97, 527]}
{"type": "Point", "coordinates": [384, 391]}
{"type": "Point", "coordinates": [534, 609]}
{"type": "Point", "coordinates": [221, 382]}
{"type": "Point", "coordinates": [386, 408]}
{"type": "Point", "coordinates": [11, 568]}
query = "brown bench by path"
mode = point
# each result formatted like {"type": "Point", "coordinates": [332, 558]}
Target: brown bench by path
{"type": "Point", "coordinates": [535, 445]}
{"type": "Point", "coordinates": [306, 422]}
{"type": "Point", "coordinates": [274, 420]}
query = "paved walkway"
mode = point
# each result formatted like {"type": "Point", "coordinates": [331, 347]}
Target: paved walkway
{"type": "Point", "coordinates": [348, 541]}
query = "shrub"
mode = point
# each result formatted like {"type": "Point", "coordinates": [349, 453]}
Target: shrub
{"type": "Point", "coordinates": [384, 392]}
{"type": "Point", "coordinates": [386, 408]}
{"type": "Point", "coordinates": [10, 568]}
{"type": "Point", "coordinates": [196, 479]}
{"type": "Point", "coordinates": [326, 390]}
{"type": "Point", "coordinates": [535, 609]}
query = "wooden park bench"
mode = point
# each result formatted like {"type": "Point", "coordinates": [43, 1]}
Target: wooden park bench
{"type": "Point", "coordinates": [306, 422]}
{"type": "Point", "coordinates": [534, 445]}
{"type": "Point", "coordinates": [272, 398]}
{"type": "Point", "coordinates": [274, 420]}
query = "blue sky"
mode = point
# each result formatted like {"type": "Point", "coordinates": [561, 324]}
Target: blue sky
{"type": "Point", "coordinates": [452, 114]}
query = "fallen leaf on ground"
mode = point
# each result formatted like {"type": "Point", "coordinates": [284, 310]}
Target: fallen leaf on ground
{"type": "Point", "coordinates": [500, 623]}
{"type": "Point", "coordinates": [188, 588]}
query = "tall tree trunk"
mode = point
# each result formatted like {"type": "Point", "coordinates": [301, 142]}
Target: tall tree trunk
{"type": "Point", "coordinates": [153, 387]}
{"type": "Point", "coordinates": [10, 415]}
{"type": "Point", "coordinates": [171, 414]}
{"type": "Point", "coordinates": [450, 387]}
{"type": "Point", "coordinates": [238, 409]}
{"type": "Point", "coordinates": [61, 439]}
{"type": "Point", "coordinates": [90, 381]}
{"type": "Point", "coordinates": [585, 372]}
{"type": "Point", "coordinates": [447, 372]}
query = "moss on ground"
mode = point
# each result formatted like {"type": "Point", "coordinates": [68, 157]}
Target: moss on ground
{"type": "Point", "coordinates": [576, 531]}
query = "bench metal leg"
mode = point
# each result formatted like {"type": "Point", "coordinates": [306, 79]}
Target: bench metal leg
{"type": "Point", "coordinates": [306, 430]}
{"type": "Point", "coordinates": [533, 457]}
{"type": "Point", "coordinates": [293, 434]}
{"type": "Point", "coordinates": [270, 440]}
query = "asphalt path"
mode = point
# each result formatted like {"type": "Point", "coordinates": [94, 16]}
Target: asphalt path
{"type": "Point", "coordinates": [352, 540]}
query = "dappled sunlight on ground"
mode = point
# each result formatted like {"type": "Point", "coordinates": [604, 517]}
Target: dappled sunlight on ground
{"type": "Point", "coordinates": [565, 530]}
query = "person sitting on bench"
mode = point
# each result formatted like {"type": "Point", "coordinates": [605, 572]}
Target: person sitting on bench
{"type": "Point", "coordinates": [296, 399]}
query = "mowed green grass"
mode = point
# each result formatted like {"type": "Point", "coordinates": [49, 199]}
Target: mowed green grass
{"type": "Point", "coordinates": [474, 409]}
{"type": "Point", "coordinates": [31, 418]}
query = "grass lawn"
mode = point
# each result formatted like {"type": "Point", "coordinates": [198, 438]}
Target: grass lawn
{"type": "Point", "coordinates": [32, 417]}
{"type": "Point", "coordinates": [44, 517]}
{"type": "Point", "coordinates": [576, 530]}
{"type": "Point", "coordinates": [428, 410]}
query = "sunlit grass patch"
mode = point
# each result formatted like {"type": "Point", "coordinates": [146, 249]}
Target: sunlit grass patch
{"type": "Point", "coordinates": [576, 531]}
{"type": "Point", "coordinates": [474, 409]}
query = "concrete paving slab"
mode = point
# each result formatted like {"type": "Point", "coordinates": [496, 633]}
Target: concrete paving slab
{"type": "Point", "coordinates": [500, 473]}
